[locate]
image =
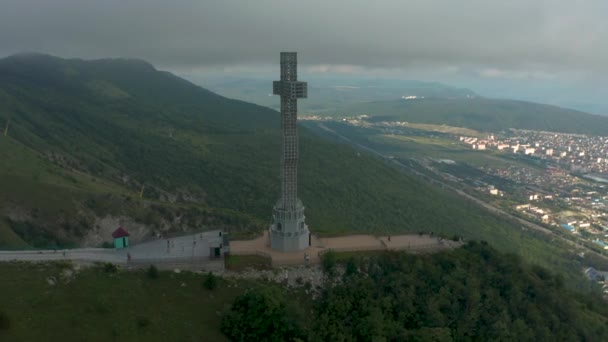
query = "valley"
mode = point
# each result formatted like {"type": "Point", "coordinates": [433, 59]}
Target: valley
{"type": "Point", "coordinates": [514, 186]}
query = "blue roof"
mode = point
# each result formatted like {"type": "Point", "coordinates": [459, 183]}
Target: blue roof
{"type": "Point", "coordinates": [601, 243]}
{"type": "Point", "coordinates": [569, 227]}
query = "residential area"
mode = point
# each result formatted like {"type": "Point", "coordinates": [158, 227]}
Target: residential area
{"type": "Point", "coordinates": [557, 180]}
{"type": "Point", "coordinates": [566, 184]}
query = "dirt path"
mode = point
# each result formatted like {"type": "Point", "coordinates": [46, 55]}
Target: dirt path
{"type": "Point", "coordinates": [411, 242]}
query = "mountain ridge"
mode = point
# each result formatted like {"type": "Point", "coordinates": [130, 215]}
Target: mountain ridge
{"type": "Point", "coordinates": [327, 94]}
{"type": "Point", "coordinates": [485, 114]}
{"type": "Point", "coordinates": [189, 149]}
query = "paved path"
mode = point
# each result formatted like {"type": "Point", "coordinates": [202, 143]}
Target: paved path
{"type": "Point", "coordinates": [178, 250]}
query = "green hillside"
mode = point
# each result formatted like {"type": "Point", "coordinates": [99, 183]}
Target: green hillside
{"type": "Point", "coordinates": [437, 297]}
{"type": "Point", "coordinates": [86, 136]}
{"type": "Point", "coordinates": [483, 114]}
{"type": "Point", "coordinates": [388, 296]}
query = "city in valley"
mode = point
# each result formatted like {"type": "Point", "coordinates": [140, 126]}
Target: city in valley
{"type": "Point", "coordinates": [556, 180]}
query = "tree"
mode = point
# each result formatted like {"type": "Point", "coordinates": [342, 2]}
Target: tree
{"type": "Point", "coordinates": [210, 281]}
{"type": "Point", "coordinates": [329, 262]}
{"type": "Point", "coordinates": [152, 272]}
{"type": "Point", "coordinates": [5, 321]}
{"type": "Point", "coordinates": [351, 267]}
{"type": "Point", "coordinates": [261, 315]}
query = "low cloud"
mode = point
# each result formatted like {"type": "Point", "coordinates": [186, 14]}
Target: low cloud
{"type": "Point", "coordinates": [516, 75]}
{"type": "Point", "coordinates": [331, 36]}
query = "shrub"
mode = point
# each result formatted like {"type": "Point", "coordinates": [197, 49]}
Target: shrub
{"type": "Point", "coordinates": [351, 267]}
{"type": "Point", "coordinates": [152, 272]}
{"type": "Point", "coordinates": [308, 285]}
{"type": "Point", "coordinates": [210, 281]}
{"type": "Point", "coordinates": [329, 262]}
{"type": "Point", "coordinates": [142, 322]}
{"type": "Point", "coordinates": [101, 308]}
{"type": "Point", "coordinates": [64, 264]}
{"type": "Point", "coordinates": [5, 321]}
{"type": "Point", "coordinates": [109, 267]}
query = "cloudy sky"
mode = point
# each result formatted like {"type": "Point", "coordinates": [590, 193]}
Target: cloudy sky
{"type": "Point", "coordinates": [551, 50]}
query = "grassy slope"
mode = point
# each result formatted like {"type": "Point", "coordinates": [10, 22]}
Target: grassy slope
{"type": "Point", "coordinates": [50, 206]}
{"type": "Point", "coordinates": [119, 120]}
{"type": "Point", "coordinates": [217, 157]}
{"type": "Point", "coordinates": [129, 306]}
{"type": "Point", "coordinates": [97, 306]}
{"type": "Point", "coordinates": [489, 115]}
{"type": "Point", "coordinates": [33, 187]}
{"type": "Point", "coordinates": [9, 238]}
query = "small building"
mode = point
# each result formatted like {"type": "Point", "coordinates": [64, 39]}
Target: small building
{"type": "Point", "coordinates": [600, 243]}
{"type": "Point", "coordinates": [217, 242]}
{"type": "Point", "coordinates": [121, 238]}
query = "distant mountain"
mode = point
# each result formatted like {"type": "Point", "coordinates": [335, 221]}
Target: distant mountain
{"type": "Point", "coordinates": [490, 115]}
{"type": "Point", "coordinates": [328, 94]}
{"type": "Point", "coordinates": [88, 138]}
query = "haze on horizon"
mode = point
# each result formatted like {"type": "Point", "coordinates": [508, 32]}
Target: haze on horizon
{"type": "Point", "coordinates": [540, 50]}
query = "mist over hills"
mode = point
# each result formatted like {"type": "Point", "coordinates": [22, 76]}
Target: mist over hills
{"type": "Point", "coordinates": [489, 115]}
{"type": "Point", "coordinates": [416, 101]}
{"type": "Point", "coordinates": [329, 94]}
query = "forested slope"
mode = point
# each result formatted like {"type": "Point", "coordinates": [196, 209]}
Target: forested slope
{"type": "Point", "coordinates": [470, 294]}
{"type": "Point", "coordinates": [91, 134]}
